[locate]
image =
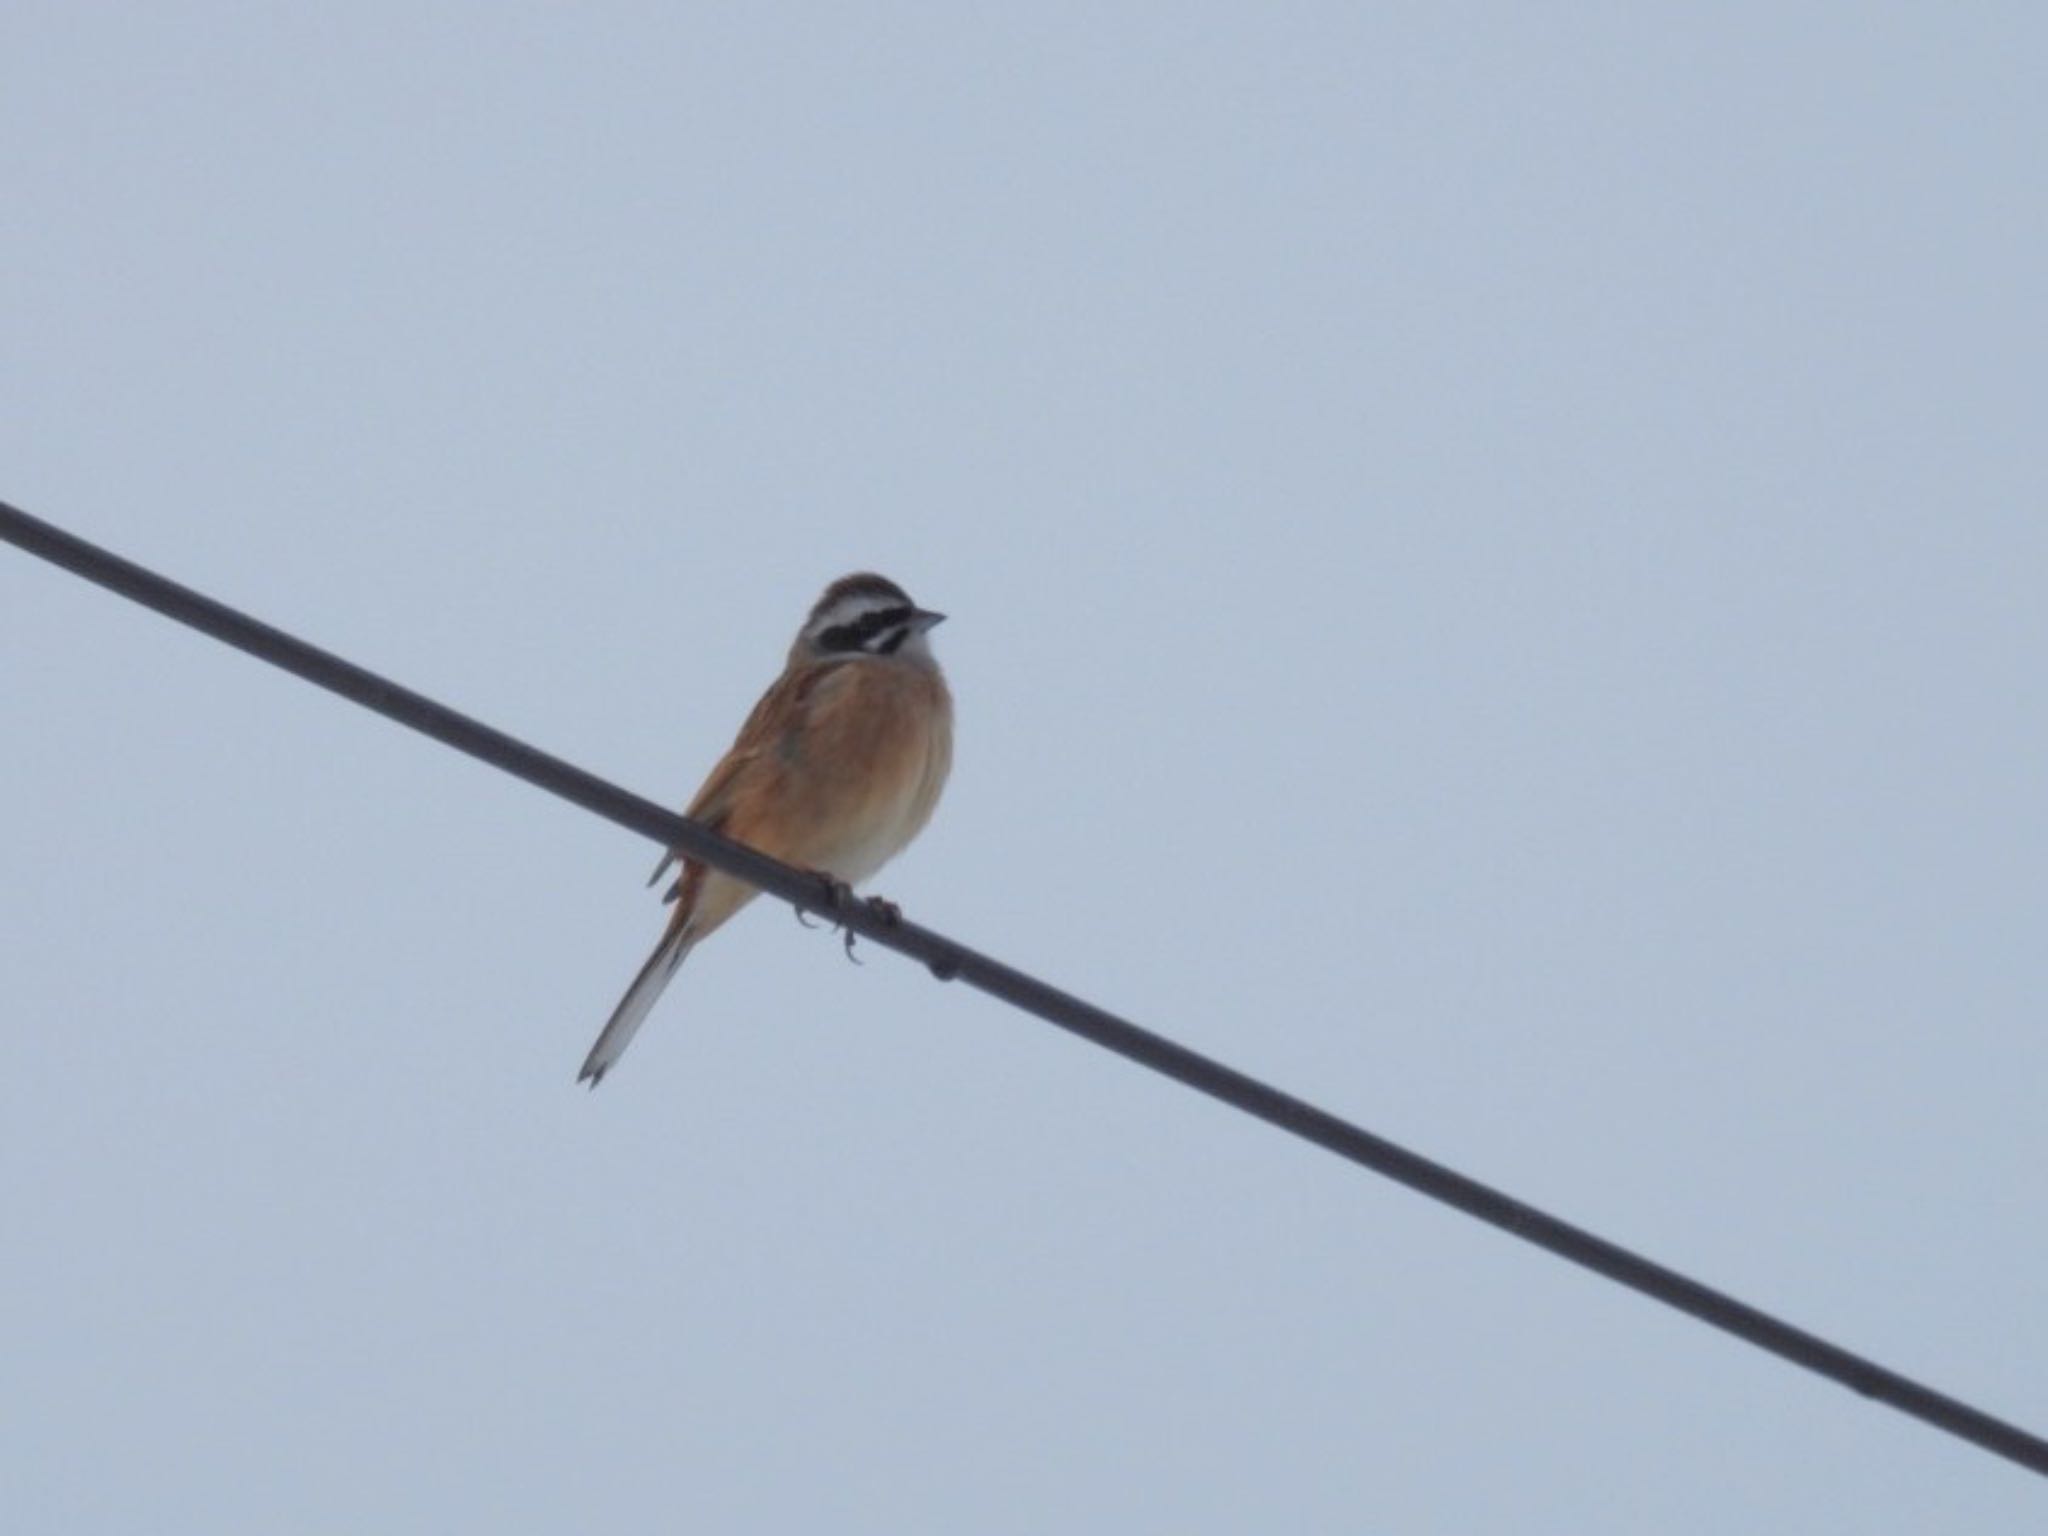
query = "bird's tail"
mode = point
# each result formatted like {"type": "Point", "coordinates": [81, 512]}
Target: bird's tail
{"type": "Point", "coordinates": [618, 1031]}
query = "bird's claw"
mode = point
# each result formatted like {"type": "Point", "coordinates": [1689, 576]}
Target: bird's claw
{"type": "Point", "coordinates": [837, 893]}
{"type": "Point", "coordinates": [883, 910]}
{"type": "Point", "coordinates": [839, 897]}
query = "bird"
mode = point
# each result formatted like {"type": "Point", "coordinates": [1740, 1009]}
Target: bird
{"type": "Point", "coordinates": [837, 768]}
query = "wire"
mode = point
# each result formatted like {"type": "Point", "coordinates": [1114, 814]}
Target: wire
{"type": "Point", "coordinates": [949, 960]}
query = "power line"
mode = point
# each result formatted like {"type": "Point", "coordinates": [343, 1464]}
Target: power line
{"type": "Point", "coordinates": [949, 960]}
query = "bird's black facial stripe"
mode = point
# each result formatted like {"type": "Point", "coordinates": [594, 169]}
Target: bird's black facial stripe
{"type": "Point", "coordinates": [861, 634]}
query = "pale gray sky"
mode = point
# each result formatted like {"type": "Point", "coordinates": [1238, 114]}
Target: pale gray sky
{"type": "Point", "coordinates": [1497, 568]}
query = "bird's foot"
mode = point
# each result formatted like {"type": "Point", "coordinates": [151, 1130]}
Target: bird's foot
{"type": "Point", "coordinates": [883, 910]}
{"type": "Point", "coordinates": [839, 898]}
{"type": "Point", "coordinates": [837, 893]}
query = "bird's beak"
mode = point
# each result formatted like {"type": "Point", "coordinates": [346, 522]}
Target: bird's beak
{"type": "Point", "coordinates": [925, 619]}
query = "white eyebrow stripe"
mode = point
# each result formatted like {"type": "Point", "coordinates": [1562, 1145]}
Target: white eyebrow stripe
{"type": "Point", "coordinates": [850, 611]}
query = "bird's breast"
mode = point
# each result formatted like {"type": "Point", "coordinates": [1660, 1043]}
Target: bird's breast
{"type": "Point", "coordinates": [872, 764]}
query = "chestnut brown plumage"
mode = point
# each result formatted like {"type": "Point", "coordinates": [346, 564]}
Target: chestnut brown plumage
{"type": "Point", "coordinates": [837, 769]}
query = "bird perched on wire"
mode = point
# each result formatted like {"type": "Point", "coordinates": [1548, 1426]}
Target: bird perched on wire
{"type": "Point", "coordinates": [836, 770]}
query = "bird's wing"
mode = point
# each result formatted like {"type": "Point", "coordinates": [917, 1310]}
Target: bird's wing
{"type": "Point", "coordinates": [767, 740]}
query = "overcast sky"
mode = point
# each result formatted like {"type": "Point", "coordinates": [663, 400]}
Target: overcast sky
{"type": "Point", "coordinates": [1496, 564]}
